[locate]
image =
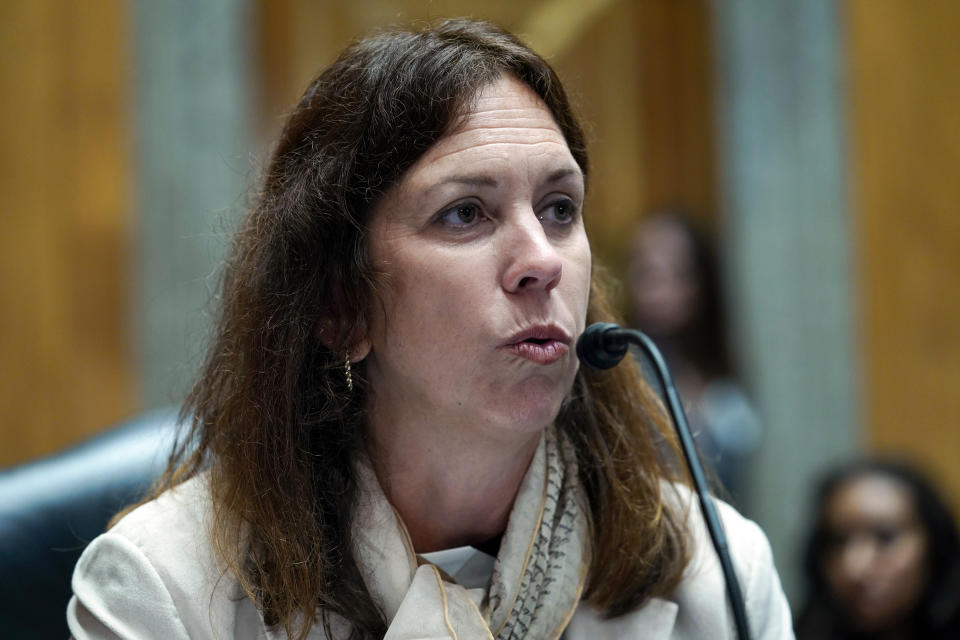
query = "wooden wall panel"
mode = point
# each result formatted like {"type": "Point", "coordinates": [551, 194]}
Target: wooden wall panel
{"type": "Point", "coordinates": [905, 161]}
{"type": "Point", "coordinates": [64, 194]}
{"type": "Point", "coordinates": [298, 38]}
{"type": "Point", "coordinates": [676, 109]}
{"type": "Point", "coordinates": [643, 77]}
{"type": "Point", "coordinates": [601, 72]}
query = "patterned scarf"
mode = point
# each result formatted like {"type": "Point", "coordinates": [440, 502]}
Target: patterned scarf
{"type": "Point", "coordinates": [537, 578]}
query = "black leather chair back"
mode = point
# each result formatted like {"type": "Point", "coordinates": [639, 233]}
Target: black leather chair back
{"type": "Point", "coordinates": [51, 508]}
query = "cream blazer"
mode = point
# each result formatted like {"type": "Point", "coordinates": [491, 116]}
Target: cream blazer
{"type": "Point", "coordinates": [154, 575]}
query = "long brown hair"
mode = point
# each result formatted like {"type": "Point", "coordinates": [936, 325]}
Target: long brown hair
{"type": "Point", "coordinates": [272, 420]}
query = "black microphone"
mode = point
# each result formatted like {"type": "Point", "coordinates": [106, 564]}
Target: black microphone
{"type": "Point", "coordinates": [602, 346]}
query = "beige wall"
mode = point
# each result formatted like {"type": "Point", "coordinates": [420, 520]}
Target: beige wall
{"type": "Point", "coordinates": [904, 115]}
{"type": "Point", "coordinates": [64, 247]}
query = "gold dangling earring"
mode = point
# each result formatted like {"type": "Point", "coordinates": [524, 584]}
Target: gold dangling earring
{"type": "Point", "coordinates": [346, 367]}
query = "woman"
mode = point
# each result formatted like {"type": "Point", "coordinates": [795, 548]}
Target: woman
{"type": "Point", "coordinates": [393, 376]}
{"type": "Point", "coordinates": [676, 297]}
{"type": "Point", "coordinates": [884, 558]}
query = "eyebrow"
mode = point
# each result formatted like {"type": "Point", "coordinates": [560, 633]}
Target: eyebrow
{"type": "Point", "coordinates": [489, 181]}
{"type": "Point", "coordinates": [562, 174]}
{"type": "Point", "coordinates": [470, 181]}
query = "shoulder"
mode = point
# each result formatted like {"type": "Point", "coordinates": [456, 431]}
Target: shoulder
{"type": "Point", "coordinates": [155, 574]}
{"type": "Point", "coordinates": [731, 418]}
{"type": "Point", "coordinates": [702, 591]}
{"type": "Point", "coordinates": [181, 513]}
{"type": "Point", "coordinates": [698, 606]}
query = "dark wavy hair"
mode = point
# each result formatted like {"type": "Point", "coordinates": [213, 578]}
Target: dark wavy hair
{"type": "Point", "coordinates": [273, 423]}
{"type": "Point", "coordinates": [937, 614]}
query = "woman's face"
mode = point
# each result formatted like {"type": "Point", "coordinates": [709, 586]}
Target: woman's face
{"type": "Point", "coordinates": [488, 273]}
{"type": "Point", "coordinates": [663, 279]}
{"type": "Point", "coordinates": [875, 564]}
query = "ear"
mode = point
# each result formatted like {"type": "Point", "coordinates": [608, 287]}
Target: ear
{"type": "Point", "coordinates": [360, 350]}
{"type": "Point", "coordinates": [327, 332]}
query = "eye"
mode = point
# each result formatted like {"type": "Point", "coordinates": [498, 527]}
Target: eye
{"type": "Point", "coordinates": [562, 211]}
{"type": "Point", "coordinates": [885, 536]}
{"type": "Point", "coordinates": [461, 215]}
{"type": "Point", "coordinates": [836, 541]}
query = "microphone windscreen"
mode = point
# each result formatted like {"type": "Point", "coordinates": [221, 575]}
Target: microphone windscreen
{"type": "Point", "coordinates": [599, 347]}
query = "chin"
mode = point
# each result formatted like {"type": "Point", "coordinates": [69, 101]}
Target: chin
{"type": "Point", "coordinates": [533, 407]}
{"type": "Point", "coordinates": [872, 619]}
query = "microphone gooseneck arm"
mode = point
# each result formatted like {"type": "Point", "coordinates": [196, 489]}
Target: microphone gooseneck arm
{"type": "Point", "coordinates": [602, 346]}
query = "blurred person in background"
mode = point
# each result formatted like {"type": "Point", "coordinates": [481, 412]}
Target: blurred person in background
{"type": "Point", "coordinates": [676, 299]}
{"type": "Point", "coordinates": [883, 559]}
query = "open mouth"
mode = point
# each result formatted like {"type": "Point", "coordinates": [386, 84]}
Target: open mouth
{"type": "Point", "coordinates": [540, 350]}
{"type": "Point", "coordinates": [544, 344]}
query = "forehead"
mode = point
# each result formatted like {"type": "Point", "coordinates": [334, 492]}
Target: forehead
{"type": "Point", "coordinates": [504, 112]}
{"type": "Point", "coordinates": [662, 238]}
{"type": "Point", "coordinates": [868, 499]}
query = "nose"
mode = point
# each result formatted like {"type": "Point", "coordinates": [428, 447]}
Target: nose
{"type": "Point", "coordinates": [858, 557]}
{"type": "Point", "coordinates": [532, 261]}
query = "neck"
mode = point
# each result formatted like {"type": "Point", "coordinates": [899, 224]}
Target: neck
{"type": "Point", "coordinates": [450, 488]}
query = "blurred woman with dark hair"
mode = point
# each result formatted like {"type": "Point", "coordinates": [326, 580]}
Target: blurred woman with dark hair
{"type": "Point", "coordinates": [391, 436]}
{"type": "Point", "coordinates": [677, 299]}
{"type": "Point", "coordinates": [883, 560]}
